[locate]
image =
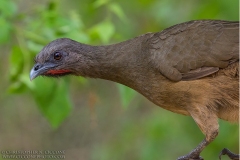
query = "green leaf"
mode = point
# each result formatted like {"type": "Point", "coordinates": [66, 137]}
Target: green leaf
{"type": "Point", "coordinates": [16, 63]}
{"type": "Point", "coordinates": [5, 30]}
{"type": "Point", "coordinates": [53, 100]}
{"type": "Point", "coordinates": [24, 78]}
{"type": "Point", "coordinates": [34, 47]}
{"type": "Point", "coordinates": [115, 8]}
{"type": "Point", "coordinates": [19, 80]}
{"type": "Point", "coordinates": [127, 94]}
{"type": "Point", "coordinates": [99, 3]}
{"type": "Point", "coordinates": [7, 8]}
{"type": "Point", "coordinates": [82, 80]}
{"type": "Point", "coordinates": [16, 87]}
{"type": "Point", "coordinates": [78, 36]}
{"type": "Point", "coordinates": [21, 84]}
{"type": "Point", "coordinates": [104, 30]}
{"type": "Point", "coordinates": [38, 38]}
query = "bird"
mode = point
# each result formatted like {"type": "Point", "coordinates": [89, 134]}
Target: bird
{"type": "Point", "coordinates": [191, 68]}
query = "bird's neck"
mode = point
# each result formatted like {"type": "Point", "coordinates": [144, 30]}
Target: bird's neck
{"type": "Point", "coordinates": [122, 62]}
{"type": "Point", "coordinates": [128, 63]}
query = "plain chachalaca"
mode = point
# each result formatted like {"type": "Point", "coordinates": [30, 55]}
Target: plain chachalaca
{"type": "Point", "coordinates": [190, 69]}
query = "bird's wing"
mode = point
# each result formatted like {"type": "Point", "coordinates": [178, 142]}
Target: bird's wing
{"type": "Point", "coordinates": [194, 49]}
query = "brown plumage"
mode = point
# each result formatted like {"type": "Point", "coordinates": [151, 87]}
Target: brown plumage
{"type": "Point", "coordinates": [190, 69]}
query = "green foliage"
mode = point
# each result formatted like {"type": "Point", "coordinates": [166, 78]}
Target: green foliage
{"type": "Point", "coordinates": [157, 136]}
{"type": "Point", "coordinates": [126, 94]}
{"type": "Point", "coordinates": [8, 10]}
{"type": "Point", "coordinates": [32, 35]}
{"type": "Point", "coordinates": [53, 99]}
{"type": "Point", "coordinates": [115, 8]}
{"type": "Point", "coordinates": [103, 31]}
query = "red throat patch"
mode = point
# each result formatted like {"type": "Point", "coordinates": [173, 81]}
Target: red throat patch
{"type": "Point", "coordinates": [57, 72]}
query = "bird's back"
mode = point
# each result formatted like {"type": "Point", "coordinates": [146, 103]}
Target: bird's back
{"type": "Point", "coordinates": [195, 49]}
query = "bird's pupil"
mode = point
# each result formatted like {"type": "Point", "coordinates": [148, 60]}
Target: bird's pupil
{"type": "Point", "coordinates": [57, 56]}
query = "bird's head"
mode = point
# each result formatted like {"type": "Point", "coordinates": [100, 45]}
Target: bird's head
{"type": "Point", "coordinates": [61, 57]}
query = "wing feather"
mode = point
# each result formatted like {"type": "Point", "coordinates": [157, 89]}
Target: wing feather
{"type": "Point", "coordinates": [195, 49]}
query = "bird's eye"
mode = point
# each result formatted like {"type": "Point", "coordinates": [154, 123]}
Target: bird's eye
{"type": "Point", "coordinates": [57, 56]}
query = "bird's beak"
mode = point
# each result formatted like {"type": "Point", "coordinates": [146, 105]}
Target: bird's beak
{"type": "Point", "coordinates": [39, 69]}
{"type": "Point", "coordinates": [36, 71]}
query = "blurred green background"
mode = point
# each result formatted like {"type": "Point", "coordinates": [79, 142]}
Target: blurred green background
{"type": "Point", "coordinates": [93, 119]}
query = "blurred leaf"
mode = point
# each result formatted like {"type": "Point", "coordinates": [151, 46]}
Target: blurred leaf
{"type": "Point", "coordinates": [16, 87]}
{"type": "Point", "coordinates": [104, 30]}
{"type": "Point", "coordinates": [21, 84]}
{"type": "Point", "coordinates": [75, 20]}
{"type": "Point", "coordinates": [7, 8]}
{"type": "Point", "coordinates": [34, 37]}
{"type": "Point", "coordinates": [5, 30]}
{"type": "Point", "coordinates": [34, 47]}
{"type": "Point", "coordinates": [51, 5]}
{"type": "Point", "coordinates": [49, 33]}
{"type": "Point", "coordinates": [126, 94]}
{"type": "Point", "coordinates": [24, 78]}
{"type": "Point", "coordinates": [115, 8]}
{"type": "Point", "coordinates": [99, 3]}
{"type": "Point", "coordinates": [16, 63]}
{"type": "Point", "coordinates": [53, 100]}
{"type": "Point", "coordinates": [78, 36]}
{"type": "Point", "coordinates": [82, 80]}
